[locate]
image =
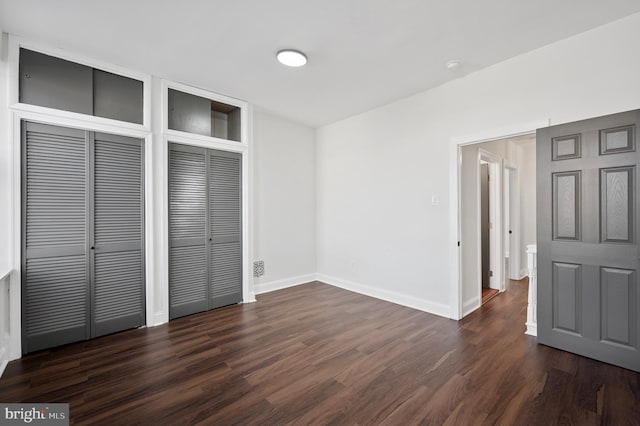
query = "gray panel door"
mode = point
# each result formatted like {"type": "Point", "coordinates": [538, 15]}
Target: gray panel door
{"type": "Point", "coordinates": [225, 283]}
{"type": "Point", "coordinates": [188, 230]}
{"type": "Point", "coordinates": [55, 307]}
{"type": "Point", "coordinates": [587, 212]}
{"type": "Point", "coordinates": [117, 243]}
{"type": "Point", "coordinates": [83, 228]}
{"type": "Point", "coordinates": [205, 229]}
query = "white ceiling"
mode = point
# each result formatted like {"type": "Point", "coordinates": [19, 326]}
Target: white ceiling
{"type": "Point", "coordinates": [362, 53]}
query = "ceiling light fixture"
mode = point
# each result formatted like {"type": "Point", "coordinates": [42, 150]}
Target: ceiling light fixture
{"type": "Point", "coordinates": [291, 58]}
{"type": "Point", "coordinates": [453, 65]}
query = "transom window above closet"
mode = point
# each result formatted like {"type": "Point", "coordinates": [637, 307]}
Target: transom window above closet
{"type": "Point", "coordinates": [53, 82]}
{"type": "Point", "coordinates": [203, 116]}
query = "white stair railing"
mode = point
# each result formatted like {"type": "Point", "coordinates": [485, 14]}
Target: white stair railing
{"type": "Point", "coordinates": [532, 313]}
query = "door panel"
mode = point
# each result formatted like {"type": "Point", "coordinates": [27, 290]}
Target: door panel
{"type": "Point", "coordinates": [55, 83]}
{"type": "Point", "coordinates": [618, 310]}
{"type": "Point", "coordinates": [117, 97]}
{"type": "Point", "coordinates": [117, 253]}
{"type": "Point", "coordinates": [188, 228]}
{"type": "Point", "coordinates": [55, 274]}
{"type": "Point", "coordinates": [188, 278]}
{"type": "Point", "coordinates": [56, 302]}
{"type": "Point", "coordinates": [226, 228]}
{"type": "Point", "coordinates": [587, 207]}
{"type": "Point", "coordinates": [189, 113]}
{"type": "Point", "coordinates": [567, 290]}
{"type": "Point", "coordinates": [617, 212]}
{"type": "Point", "coordinates": [566, 205]}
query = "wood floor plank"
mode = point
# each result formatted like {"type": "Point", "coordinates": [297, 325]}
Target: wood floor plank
{"type": "Point", "coordinates": [316, 354]}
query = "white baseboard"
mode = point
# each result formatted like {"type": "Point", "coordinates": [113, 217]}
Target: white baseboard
{"type": "Point", "coordinates": [252, 298]}
{"type": "Point", "coordinates": [260, 288]}
{"type": "Point", "coordinates": [389, 296]}
{"type": "Point", "coordinates": [470, 306]}
{"type": "Point", "coordinates": [158, 319]}
{"type": "Point", "coordinates": [523, 273]}
{"type": "Point", "coordinates": [532, 329]}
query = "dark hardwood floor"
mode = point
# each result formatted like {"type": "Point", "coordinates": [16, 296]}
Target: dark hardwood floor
{"type": "Point", "coordinates": [315, 354]}
{"type": "Point", "coordinates": [488, 294]}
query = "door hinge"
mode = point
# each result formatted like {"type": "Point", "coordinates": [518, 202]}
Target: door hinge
{"type": "Point", "coordinates": [458, 243]}
{"type": "Point", "coordinates": [490, 274]}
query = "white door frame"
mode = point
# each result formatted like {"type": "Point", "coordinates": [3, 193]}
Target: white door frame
{"type": "Point", "coordinates": [455, 160]}
{"type": "Point", "coordinates": [513, 205]}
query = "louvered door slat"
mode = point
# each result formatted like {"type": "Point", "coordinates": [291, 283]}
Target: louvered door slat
{"type": "Point", "coordinates": [187, 230]}
{"type": "Point", "coordinates": [55, 273]}
{"type": "Point", "coordinates": [118, 263]}
{"type": "Point", "coordinates": [225, 207]}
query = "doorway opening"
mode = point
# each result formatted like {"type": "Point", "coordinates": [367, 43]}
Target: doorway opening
{"type": "Point", "coordinates": [512, 255]}
{"type": "Point", "coordinates": [494, 230]}
{"type": "Point", "coordinates": [488, 207]}
{"type": "Point", "coordinates": [487, 231]}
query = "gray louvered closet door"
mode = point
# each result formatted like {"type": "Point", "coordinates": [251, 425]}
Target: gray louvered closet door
{"type": "Point", "coordinates": [187, 230]}
{"type": "Point", "coordinates": [205, 255]}
{"type": "Point", "coordinates": [55, 272]}
{"type": "Point", "coordinates": [225, 284]}
{"type": "Point", "coordinates": [117, 246]}
{"type": "Point", "coordinates": [83, 222]}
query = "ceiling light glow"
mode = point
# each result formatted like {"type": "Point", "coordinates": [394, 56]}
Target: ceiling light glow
{"type": "Point", "coordinates": [453, 65]}
{"type": "Point", "coordinates": [291, 58]}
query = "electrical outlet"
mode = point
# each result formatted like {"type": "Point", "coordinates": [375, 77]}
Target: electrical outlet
{"type": "Point", "coordinates": [258, 268]}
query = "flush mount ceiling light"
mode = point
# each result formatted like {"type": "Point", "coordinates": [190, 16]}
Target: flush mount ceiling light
{"type": "Point", "coordinates": [291, 58]}
{"type": "Point", "coordinates": [453, 65]}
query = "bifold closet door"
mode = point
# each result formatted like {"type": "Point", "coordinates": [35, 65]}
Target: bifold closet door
{"type": "Point", "coordinates": [188, 269]}
{"type": "Point", "coordinates": [205, 254]}
{"type": "Point", "coordinates": [83, 235]}
{"type": "Point", "coordinates": [55, 271]}
{"type": "Point", "coordinates": [117, 246]}
{"type": "Point", "coordinates": [225, 217]}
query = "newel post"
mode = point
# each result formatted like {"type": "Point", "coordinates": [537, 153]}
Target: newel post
{"type": "Point", "coordinates": [532, 313]}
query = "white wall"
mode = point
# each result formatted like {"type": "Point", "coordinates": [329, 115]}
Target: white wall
{"type": "Point", "coordinates": [377, 171]}
{"type": "Point", "coordinates": [284, 201]}
{"type": "Point", "coordinates": [6, 239]}
{"type": "Point", "coordinates": [527, 200]}
{"type": "Point", "coordinates": [5, 164]}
